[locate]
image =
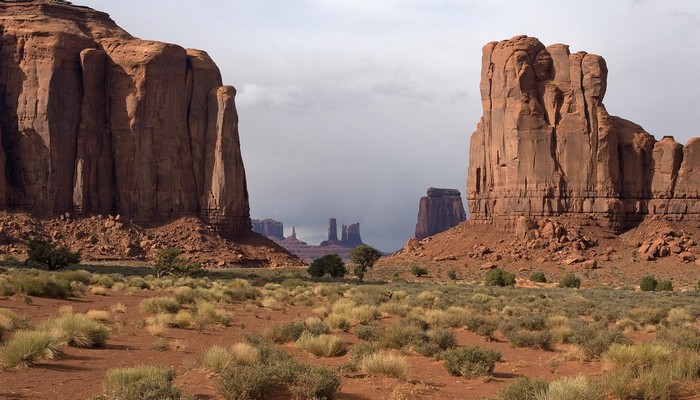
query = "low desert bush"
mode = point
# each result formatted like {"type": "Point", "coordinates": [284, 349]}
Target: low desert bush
{"type": "Point", "coordinates": [98, 315]}
{"type": "Point", "coordinates": [543, 340]}
{"type": "Point", "coordinates": [26, 348]}
{"type": "Point", "coordinates": [648, 284]}
{"type": "Point", "coordinates": [285, 333]}
{"type": "Point", "coordinates": [646, 315]}
{"type": "Point", "coordinates": [322, 345]}
{"type": "Point", "coordinates": [158, 305]}
{"type": "Point", "coordinates": [143, 382]}
{"type": "Point", "coordinates": [217, 359]}
{"type": "Point", "coordinates": [102, 280]}
{"type": "Point", "coordinates": [685, 337]}
{"type": "Point", "coordinates": [470, 361]}
{"type": "Point", "coordinates": [386, 364]}
{"type": "Point", "coordinates": [570, 280]}
{"type": "Point", "coordinates": [398, 336]}
{"type": "Point", "coordinates": [499, 277]}
{"type": "Point", "coordinates": [370, 332]}
{"type": "Point", "coordinates": [77, 330]}
{"type": "Point", "coordinates": [523, 389]}
{"type": "Point", "coordinates": [538, 277]}
{"type": "Point", "coordinates": [42, 285]}
{"type": "Point", "coordinates": [10, 321]}
{"type": "Point", "coordinates": [364, 314]}
{"type": "Point", "coordinates": [418, 270]}
{"type": "Point", "coordinates": [664, 286]}
{"type": "Point", "coordinates": [43, 252]}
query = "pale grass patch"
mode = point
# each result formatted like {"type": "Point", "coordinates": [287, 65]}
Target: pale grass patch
{"type": "Point", "coordinates": [270, 302]}
{"type": "Point", "coordinates": [118, 308]}
{"type": "Point", "coordinates": [386, 364]}
{"type": "Point", "coordinates": [98, 290]}
{"type": "Point", "coordinates": [99, 315]}
{"type": "Point", "coordinates": [322, 345]}
{"type": "Point", "coordinates": [343, 307]}
{"type": "Point", "coordinates": [678, 316]}
{"type": "Point", "coordinates": [365, 314]}
{"type": "Point", "coordinates": [245, 353]}
{"type": "Point", "coordinates": [65, 310]}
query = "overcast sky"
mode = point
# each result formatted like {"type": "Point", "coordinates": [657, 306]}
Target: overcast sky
{"type": "Point", "coordinates": [352, 109]}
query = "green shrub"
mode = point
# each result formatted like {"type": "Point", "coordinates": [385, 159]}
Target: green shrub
{"type": "Point", "coordinates": [452, 274]}
{"type": "Point", "coordinates": [159, 305]}
{"type": "Point", "coordinates": [330, 264]}
{"type": "Point", "coordinates": [538, 277]}
{"type": "Point", "coordinates": [499, 277]}
{"type": "Point", "coordinates": [570, 280]}
{"type": "Point", "coordinates": [314, 382]}
{"type": "Point", "coordinates": [103, 280]}
{"type": "Point", "coordinates": [167, 261]}
{"type": "Point", "coordinates": [143, 382]}
{"type": "Point", "coordinates": [399, 336]}
{"type": "Point", "coordinates": [369, 332]}
{"type": "Point", "coordinates": [418, 270]}
{"type": "Point", "coordinates": [43, 252]}
{"type": "Point", "coordinates": [648, 284]}
{"type": "Point", "coordinates": [285, 333]}
{"type": "Point", "coordinates": [524, 389]}
{"type": "Point", "coordinates": [443, 338]}
{"type": "Point", "coordinates": [43, 285]}
{"type": "Point", "coordinates": [664, 286]}
{"type": "Point", "coordinates": [26, 348]}
{"type": "Point", "coordinates": [579, 388]}
{"type": "Point", "coordinates": [470, 361]}
{"type": "Point", "coordinates": [78, 330]}
{"type": "Point", "coordinates": [217, 359]}
{"type": "Point", "coordinates": [533, 339]}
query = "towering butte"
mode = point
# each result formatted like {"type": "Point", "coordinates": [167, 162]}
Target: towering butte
{"type": "Point", "coordinates": [438, 211]}
{"type": "Point", "coordinates": [94, 120]}
{"type": "Point", "coordinates": [546, 145]}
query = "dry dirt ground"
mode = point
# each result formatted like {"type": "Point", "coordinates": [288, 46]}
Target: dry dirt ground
{"type": "Point", "coordinates": [79, 375]}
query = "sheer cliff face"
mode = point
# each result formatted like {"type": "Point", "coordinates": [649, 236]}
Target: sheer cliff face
{"type": "Point", "coordinates": [547, 146]}
{"type": "Point", "coordinates": [96, 121]}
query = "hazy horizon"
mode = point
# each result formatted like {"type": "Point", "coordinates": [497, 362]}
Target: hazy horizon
{"type": "Point", "coordinates": [352, 109]}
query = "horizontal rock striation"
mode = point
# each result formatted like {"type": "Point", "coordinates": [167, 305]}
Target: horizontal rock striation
{"type": "Point", "coordinates": [547, 146]}
{"type": "Point", "coordinates": [96, 121]}
{"type": "Point", "coordinates": [439, 211]}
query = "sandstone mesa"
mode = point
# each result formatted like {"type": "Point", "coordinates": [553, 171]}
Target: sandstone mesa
{"type": "Point", "coordinates": [96, 121]}
{"type": "Point", "coordinates": [546, 145]}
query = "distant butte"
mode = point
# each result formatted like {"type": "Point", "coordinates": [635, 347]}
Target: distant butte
{"type": "Point", "coordinates": [438, 211]}
{"type": "Point", "coordinates": [546, 146]}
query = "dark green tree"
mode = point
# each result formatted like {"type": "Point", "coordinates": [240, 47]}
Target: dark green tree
{"type": "Point", "coordinates": [330, 264]}
{"type": "Point", "coordinates": [43, 252]}
{"type": "Point", "coordinates": [499, 277]}
{"type": "Point", "coordinates": [363, 257]}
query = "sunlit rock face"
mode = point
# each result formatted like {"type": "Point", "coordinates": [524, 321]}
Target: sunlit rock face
{"type": "Point", "coordinates": [546, 145]}
{"type": "Point", "coordinates": [95, 120]}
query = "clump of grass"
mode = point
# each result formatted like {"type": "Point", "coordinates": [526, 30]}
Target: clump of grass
{"type": "Point", "coordinates": [43, 285]}
{"type": "Point", "coordinates": [322, 345]}
{"type": "Point", "coordinates": [470, 361]}
{"type": "Point", "coordinates": [370, 332]}
{"type": "Point", "coordinates": [338, 322]}
{"type": "Point", "coordinates": [285, 333]}
{"type": "Point", "coordinates": [217, 359]}
{"type": "Point", "coordinates": [524, 388]}
{"type": "Point", "coordinates": [365, 313]}
{"type": "Point", "coordinates": [143, 382]}
{"type": "Point", "coordinates": [579, 388]}
{"type": "Point", "coordinates": [181, 320]}
{"type": "Point", "coordinates": [118, 308]}
{"type": "Point", "coordinates": [570, 280]}
{"type": "Point", "coordinates": [244, 353]}
{"type": "Point", "coordinates": [158, 305]}
{"type": "Point", "coordinates": [98, 291]}
{"type": "Point", "coordinates": [78, 330]}
{"type": "Point", "coordinates": [453, 317]}
{"type": "Point", "coordinates": [102, 280]}
{"type": "Point", "coordinates": [10, 321]}
{"type": "Point", "coordinates": [26, 348]}
{"type": "Point", "coordinates": [386, 364]}
{"type": "Point", "coordinates": [98, 315]}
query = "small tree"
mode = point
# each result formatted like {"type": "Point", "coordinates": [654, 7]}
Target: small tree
{"type": "Point", "coordinates": [538, 277]}
{"type": "Point", "coordinates": [499, 277]}
{"type": "Point", "coordinates": [570, 281]}
{"type": "Point", "coordinates": [330, 264]}
{"type": "Point", "coordinates": [418, 270]}
{"type": "Point", "coordinates": [364, 257]}
{"type": "Point", "coordinates": [167, 261]}
{"type": "Point", "coordinates": [648, 284]}
{"type": "Point", "coordinates": [43, 252]}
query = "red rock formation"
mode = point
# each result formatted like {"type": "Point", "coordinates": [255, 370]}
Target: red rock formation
{"type": "Point", "coordinates": [95, 120]}
{"type": "Point", "coordinates": [351, 235]}
{"type": "Point", "coordinates": [270, 228]}
{"type": "Point", "coordinates": [439, 211]}
{"type": "Point", "coordinates": [547, 146]}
